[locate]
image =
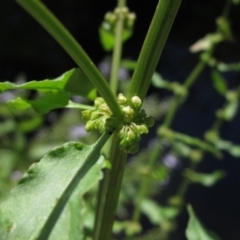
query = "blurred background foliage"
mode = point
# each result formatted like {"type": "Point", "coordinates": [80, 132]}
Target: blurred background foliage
{"type": "Point", "coordinates": [27, 52]}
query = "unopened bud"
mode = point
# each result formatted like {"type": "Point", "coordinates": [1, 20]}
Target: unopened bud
{"type": "Point", "coordinates": [98, 101]}
{"type": "Point", "coordinates": [136, 102]}
{"type": "Point", "coordinates": [90, 125]}
{"type": "Point", "coordinates": [94, 115]}
{"type": "Point", "coordinates": [128, 111]}
{"type": "Point", "coordinates": [86, 115]}
{"type": "Point", "coordinates": [142, 129]}
{"type": "Point", "coordinates": [121, 99]}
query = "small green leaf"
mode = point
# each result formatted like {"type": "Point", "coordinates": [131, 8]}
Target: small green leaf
{"type": "Point", "coordinates": [36, 203]}
{"type": "Point", "coordinates": [234, 151]}
{"type": "Point", "coordinates": [158, 214]}
{"type": "Point", "coordinates": [74, 82]}
{"type": "Point", "coordinates": [228, 146]}
{"type": "Point", "coordinates": [192, 141]}
{"type": "Point", "coordinates": [206, 43]}
{"type": "Point", "coordinates": [230, 110]}
{"type": "Point", "coordinates": [107, 36]}
{"type": "Point", "coordinates": [30, 124]}
{"type": "Point", "coordinates": [195, 230]}
{"type": "Point", "coordinates": [159, 82]}
{"type": "Point", "coordinates": [219, 82]}
{"type": "Point", "coordinates": [207, 180]}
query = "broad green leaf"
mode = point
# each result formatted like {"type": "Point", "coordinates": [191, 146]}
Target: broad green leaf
{"type": "Point", "coordinates": [206, 179]}
{"type": "Point", "coordinates": [74, 82]}
{"type": "Point", "coordinates": [35, 204]}
{"type": "Point", "coordinates": [219, 82]}
{"type": "Point", "coordinates": [195, 230]}
{"type": "Point", "coordinates": [47, 102]}
{"type": "Point", "coordinates": [157, 214]}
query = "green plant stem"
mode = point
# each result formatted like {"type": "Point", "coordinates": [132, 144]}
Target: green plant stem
{"type": "Point", "coordinates": [40, 12]}
{"type": "Point", "coordinates": [117, 51]}
{"type": "Point", "coordinates": [186, 182]}
{"type": "Point", "coordinates": [109, 194]}
{"type": "Point", "coordinates": [178, 99]}
{"type": "Point", "coordinates": [111, 184]}
{"type": "Point", "coordinates": [152, 47]}
{"type": "Point", "coordinates": [194, 74]}
{"type": "Point", "coordinates": [146, 181]}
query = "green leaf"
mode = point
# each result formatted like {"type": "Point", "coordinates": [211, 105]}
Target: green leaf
{"type": "Point", "coordinates": [236, 1]}
{"type": "Point", "coordinates": [228, 146]}
{"type": "Point", "coordinates": [7, 126]}
{"type": "Point", "coordinates": [31, 124]}
{"type": "Point", "coordinates": [47, 102]}
{"type": "Point", "coordinates": [159, 82]}
{"type": "Point", "coordinates": [219, 82]}
{"type": "Point", "coordinates": [195, 230]}
{"type": "Point", "coordinates": [34, 206]}
{"type": "Point", "coordinates": [157, 214]}
{"type": "Point", "coordinates": [206, 179]}
{"type": "Point", "coordinates": [230, 110]}
{"type": "Point", "coordinates": [107, 35]}
{"type": "Point", "coordinates": [74, 82]}
{"type": "Point", "coordinates": [192, 141]}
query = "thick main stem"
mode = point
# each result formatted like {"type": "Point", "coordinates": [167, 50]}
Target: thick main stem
{"type": "Point", "coordinates": [152, 47]}
{"type": "Point", "coordinates": [111, 184]}
{"type": "Point", "coordinates": [109, 194]}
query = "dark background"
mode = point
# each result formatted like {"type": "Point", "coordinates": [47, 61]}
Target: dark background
{"type": "Point", "coordinates": [26, 48]}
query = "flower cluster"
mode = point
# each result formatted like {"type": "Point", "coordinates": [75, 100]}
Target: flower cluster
{"type": "Point", "coordinates": [128, 130]}
{"type": "Point", "coordinates": [112, 17]}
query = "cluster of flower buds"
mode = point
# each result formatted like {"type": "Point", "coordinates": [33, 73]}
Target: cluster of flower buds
{"type": "Point", "coordinates": [129, 130]}
{"type": "Point", "coordinates": [112, 17]}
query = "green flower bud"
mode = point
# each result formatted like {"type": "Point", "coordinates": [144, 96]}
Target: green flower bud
{"type": "Point", "coordinates": [136, 102]}
{"type": "Point", "coordinates": [101, 127]}
{"type": "Point", "coordinates": [90, 125]}
{"type": "Point", "coordinates": [121, 99]}
{"type": "Point", "coordinates": [94, 115]}
{"type": "Point", "coordinates": [104, 108]}
{"type": "Point", "coordinates": [142, 129]}
{"type": "Point", "coordinates": [128, 111]}
{"type": "Point", "coordinates": [86, 115]}
{"type": "Point", "coordinates": [131, 135]}
{"type": "Point", "coordinates": [131, 17]}
{"type": "Point", "coordinates": [98, 101]}
{"type": "Point", "coordinates": [125, 10]}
